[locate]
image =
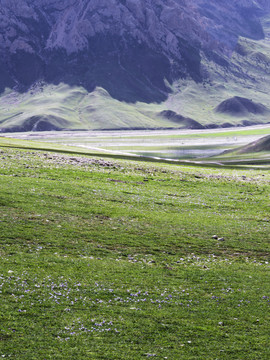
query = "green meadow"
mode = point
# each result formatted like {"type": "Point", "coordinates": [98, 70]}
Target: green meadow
{"type": "Point", "coordinates": [104, 257]}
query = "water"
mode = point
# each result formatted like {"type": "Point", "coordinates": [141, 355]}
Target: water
{"type": "Point", "coordinates": [182, 153]}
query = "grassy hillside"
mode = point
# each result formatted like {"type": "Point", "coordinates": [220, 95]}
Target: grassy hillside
{"type": "Point", "coordinates": [113, 259]}
{"type": "Point", "coordinates": [256, 153]}
{"type": "Point", "coordinates": [246, 75]}
{"type": "Point", "coordinates": [261, 145]}
{"type": "Point", "coordinates": [66, 107]}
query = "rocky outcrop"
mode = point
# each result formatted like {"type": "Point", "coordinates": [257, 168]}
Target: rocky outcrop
{"type": "Point", "coordinates": [70, 24]}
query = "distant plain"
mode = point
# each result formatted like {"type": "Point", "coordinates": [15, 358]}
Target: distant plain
{"type": "Point", "coordinates": [197, 145]}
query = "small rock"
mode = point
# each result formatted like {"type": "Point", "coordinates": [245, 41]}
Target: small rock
{"type": "Point", "coordinates": [215, 237]}
{"type": "Point", "coordinates": [221, 239]}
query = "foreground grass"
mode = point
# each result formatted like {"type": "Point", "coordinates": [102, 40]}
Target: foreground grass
{"type": "Point", "coordinates": [108, 259]}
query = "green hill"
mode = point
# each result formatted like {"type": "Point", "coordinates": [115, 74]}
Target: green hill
{"type": "Point", "coordinates": [260, 145]}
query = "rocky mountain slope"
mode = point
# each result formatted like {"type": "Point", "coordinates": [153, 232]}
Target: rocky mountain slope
{"type": "Point", "coordinates": [137, 52]}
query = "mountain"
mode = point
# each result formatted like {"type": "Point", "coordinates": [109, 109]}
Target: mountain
{"type": "Point", "coordinates": [120, 63]}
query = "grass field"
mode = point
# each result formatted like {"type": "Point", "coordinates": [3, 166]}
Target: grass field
{"type": "Point", "coordinates": [105, 258]}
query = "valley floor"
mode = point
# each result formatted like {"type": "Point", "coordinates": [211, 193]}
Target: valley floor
{"type": "Point", "coordinates": [108, 258]}
{"type": "Point", "coordinates": [206, 146]}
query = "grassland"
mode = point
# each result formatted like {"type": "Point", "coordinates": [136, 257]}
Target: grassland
{"type": "Point", "coordinates": [106, 258]}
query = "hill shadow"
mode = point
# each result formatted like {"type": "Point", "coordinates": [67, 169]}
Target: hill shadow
{"type": "Point", "coordinates": [128, 70]}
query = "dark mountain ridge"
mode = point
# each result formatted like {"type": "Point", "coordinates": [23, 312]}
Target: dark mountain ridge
{"type": "Point", "coordinates": [122, 46]}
